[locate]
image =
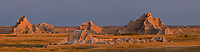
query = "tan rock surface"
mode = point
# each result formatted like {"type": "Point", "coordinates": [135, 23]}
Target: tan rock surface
{"type": "Point", "coordinates": [66, 29]}
{"type": "Point", "coordinates": [79, 37]}
{"type": "Point", "coordinates": [146, 24]}
{"type": "Point", "coordinates": [130, 40]}
{"type": "Point", "coordinates": [91, 27]}
{"type": "Point", "coordinates": [82, 37]}
{"type": "Point", "coordinates": [46, 28]}
{"type": "Point", "coordinates": [23, 26]}
{"type": "Point", "coordinates": [177, 31]}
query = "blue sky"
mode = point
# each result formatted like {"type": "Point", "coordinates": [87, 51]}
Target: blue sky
{"type": "Point", "coordinates": [101, 12]}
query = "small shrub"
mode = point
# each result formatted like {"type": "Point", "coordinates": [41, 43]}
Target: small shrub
{"type": "Point", "coordinates": [140, 38]}
{"type": "Point", "coordinates": [115, 33]}
{"type": "Point", "coordinates": [11, 35]}
{"type": "Point", "coordinates": [99, 34]}
{"type": "Point", "coordinates": [109, 33]}
{"type": "Point", "coordinates": [126, 33]}
{"type": "Point", "coordinates": [136, 33]}
{"type": "Point", "coordinates": [148, 38]}
{"type": "Point", "coordinates": [186, 35]}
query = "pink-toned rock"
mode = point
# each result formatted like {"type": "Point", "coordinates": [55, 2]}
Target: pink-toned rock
{"type": "Point", "coordinates": [63, 29]}
{"type": "Point", "coordinates": [46, 28]}
{"type": "Point", "coordinates": [79, 37]}
{"type": "Point", "coordinates": [23, 26]}
{"type": "Point", "coordinates": [91, 27]}
{"type": "Point", "coordinates": [146, 24]}
{"type": "Point", "coordinates": [177, 31]}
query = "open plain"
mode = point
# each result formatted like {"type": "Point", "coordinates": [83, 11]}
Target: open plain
{"type": "Point", "coordinates": [36, 42]}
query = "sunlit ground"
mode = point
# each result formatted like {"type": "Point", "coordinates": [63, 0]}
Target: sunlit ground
{"type": "Point", "coordinates": [35, 42]}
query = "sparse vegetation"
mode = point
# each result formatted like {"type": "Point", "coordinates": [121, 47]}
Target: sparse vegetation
{"type": "Point", "coordinates": [99, 34]}
{"type": "Point", "coordinates": [127, 34]}
{"type": "Point", "coordinates": [186, 35]}
{"type": "Point", "coordinates": [35, 43]}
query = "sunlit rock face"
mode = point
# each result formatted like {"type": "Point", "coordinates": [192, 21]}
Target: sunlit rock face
{"type": "Point", "coordinates": [146, 24]}
{"type": "Point", "coordinates": [90, 27]}
{"type": "Point", "coordinates": [83, 37]}
{"type": "Point", "coordinates": [23, 26]}
{"type": "Point", "coordinates": [79, 37]}
{"type": "Point", "coordinates": [46, 28]}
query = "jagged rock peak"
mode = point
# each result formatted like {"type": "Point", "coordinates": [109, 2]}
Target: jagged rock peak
{"type": "Point", "coordinates": [148, 14]}
{"type": "Point", "coordinates": [90, 27]}
{"type": "Point", "coordinates": [91, 23]}
{"type": "Point", "coordinates": [23, 26]}
{"type": "Point", "coordinates": [22, 20]}
{"type": "Point", "coordinates": [146, 24]}
{"type": "Point", "coordinates": [42, 24]}
{"type": "Point", "coordinates": [144, 16]}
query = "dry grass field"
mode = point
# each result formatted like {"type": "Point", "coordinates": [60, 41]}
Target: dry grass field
{"type": "Point", "coordinates": [35, 43]}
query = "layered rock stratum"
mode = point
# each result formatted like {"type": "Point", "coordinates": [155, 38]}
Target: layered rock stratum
{"type": "Point", "coordinates": [79, 37]}
{"type": "Point", "coordinates": [90, 27]}
{"type": "Point", "coordinates": [46, 28]}
{"type": "Point", "coordinates": [23, 26]}
{"type": "Point", "coordinates": [136, 40]}
{"type": "Point", "coordinates": [83, 37]}
{"type": "Point", "coordinates": [146, 24]}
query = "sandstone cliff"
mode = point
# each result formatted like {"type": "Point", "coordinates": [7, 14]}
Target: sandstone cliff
{"type": "Point", "coordinates": [23, 26]}
{"type": "Point", "coordinates": [146, 24]}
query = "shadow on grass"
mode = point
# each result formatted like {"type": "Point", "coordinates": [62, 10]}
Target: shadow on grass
{"type": "Point", "coordinates": [22, 45]}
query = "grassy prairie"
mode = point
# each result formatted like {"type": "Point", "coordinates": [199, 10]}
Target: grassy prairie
{"type": "Point", "coordinates": [35, 42]}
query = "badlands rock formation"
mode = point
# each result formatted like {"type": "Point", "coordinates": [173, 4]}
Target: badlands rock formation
{"type": "Point", "coordinates": [79, 37]}
{"type": "Point", "coordinates": [177, 31]}
{"type": "Point", "coordinates": [23, 26]}
{"type": "Point", "coordinates": [82, 37]}
{"type": "Point", "coordinates": [66, 29]}
{"type": "Point", "coordinates": [46, 28]}
{"type": "Point", "coordinates": [136, 40]}
{"type": "Point", "coordinates": [91, 27]}
{"type": "Point", "coordinates": [146, 24]}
